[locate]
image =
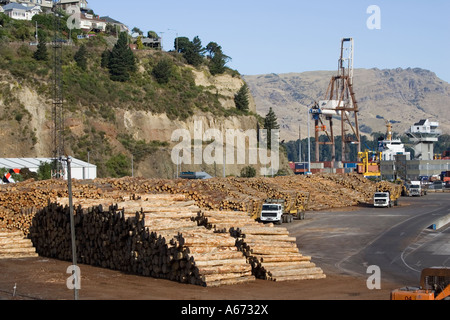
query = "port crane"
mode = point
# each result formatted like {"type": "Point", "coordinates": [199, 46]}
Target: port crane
{"type": "Point", "coordinates": [340, 103]}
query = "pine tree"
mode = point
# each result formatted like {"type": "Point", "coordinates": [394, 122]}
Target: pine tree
{"type": "Point", "coordinates": [163, 71]}
{"type": "Point", "coordinates": [81, 57]}
{"type": "Point", "coordinates": [241, 98]}
{"type": "Point", "coordinates": [270, 123]}
{"type": "Point", "coordinates": [121, 60]}
{"type": "Point", "coordinates": [41, 53]}
{"type": "Point", "coordinates": [139, 44]}
{"type": "Point", "coordinates": [218, 59]}
{"type": "Point", "coordinates": [192, 50]}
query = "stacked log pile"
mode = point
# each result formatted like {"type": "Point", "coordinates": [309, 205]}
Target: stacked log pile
{"type": "Point", "coordinates": [394, 189]}
{"type": "Point", "coordinates": [19, 202]}
{"type": "Point", "coordinates": [150, 235]}
{"type": "Point", "coordinates": [13, 245]}
{"type": "Point", "coordinates": [272, 253]}
{"type": "Point", "coordinates": [163, 239]}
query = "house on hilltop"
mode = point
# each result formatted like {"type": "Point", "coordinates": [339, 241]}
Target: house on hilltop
{"type": "Point", "coordinates": [154, 43]}
{"type": "Point", "coordinates": [46, 5]}
{"type": "Point", "coordinates": [19, 11]}
{"type": "Point", "coordinates": [90, 22]}
{"type": "Point", "coordinates": [119, 26]}
{"type": "Point", "coordinates": [66, 4]}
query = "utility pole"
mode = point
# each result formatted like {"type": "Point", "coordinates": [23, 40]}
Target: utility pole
{"type": "Point", "coordinates": [68, 160]}
{"type": "Point", "coordinates": [58, 101]}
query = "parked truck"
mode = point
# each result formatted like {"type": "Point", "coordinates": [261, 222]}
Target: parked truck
{"type": "Point", "coordinates": [414, 189]}
{"type": "Point", "coordinates": [276, 211]}
{"type": "Point", "coordinates": [382, 199]}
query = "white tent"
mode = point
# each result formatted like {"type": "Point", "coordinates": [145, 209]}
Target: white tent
{"type": "Point", "coordinates": [80, 170]}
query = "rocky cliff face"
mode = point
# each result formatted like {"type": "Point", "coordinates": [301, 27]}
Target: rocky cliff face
{"type": "Point", "coordinates": [27, 126]}
{"type": "Point", "coordinates": [401, 96]}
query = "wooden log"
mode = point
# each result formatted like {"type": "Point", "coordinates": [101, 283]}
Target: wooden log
{"type": "Point", "coordinates": [295, 272]}
{"type": "Point", "coordinates": [233, 281]}
{"type": "Point", "coordinates": [282, 258]}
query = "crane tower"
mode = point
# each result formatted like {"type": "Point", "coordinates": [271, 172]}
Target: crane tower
{"type": "Point", "coordinates": [339, 103]}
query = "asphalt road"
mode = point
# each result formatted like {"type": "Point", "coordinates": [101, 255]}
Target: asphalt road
{"type": "Point", "coordinates": [394, 239]}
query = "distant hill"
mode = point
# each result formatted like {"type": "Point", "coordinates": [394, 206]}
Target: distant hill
{"type": "Point", "coordinates": [401, 96]}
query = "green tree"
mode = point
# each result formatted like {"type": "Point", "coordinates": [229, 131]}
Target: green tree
{"type": "Point", "coordinates": [139, 43]}
{"type": "Point", "coordinates": [248, 172]}
{"type": "Point", "coordinates": [4, 19]}
{"type": "Point", "coordinates": [118, 166]}
{"type": "Point", "coordinates": [81, 57]}
{"type": "Point", "coordinates": [270, 123]}
{"type": "Point", "coordinates": [163, 71]}
{"type": "Point", "coordinates": [218, 59]}
{"type": "Point", "coordinates": [110, 29]}
{"type": "Point", "coordinates": [241, 98]}
{"type": "Point", "coordinates": [22, 33]}
{"type": "Point", "coordinates": [137, 30]}
{"type": "Point", "coordinates": [41, 53]}
{"type": "Point", "coordinates": [197, 45]}
{"type": "Point", "coordinates": [122, 61]}
{"type": "Point", "coordinates": [152, 35]}
{"type": "Point", "coordinates": [44, 171]}
{"type": "Point", "coordinates": [212, 48]}
{"type": "Point", "coordinates": [181, 44]}
{"type": "Point", "coordinates": [192, 50]}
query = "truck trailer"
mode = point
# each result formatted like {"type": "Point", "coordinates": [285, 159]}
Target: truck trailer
{"type": "Point", "coordinates": [276, 211]}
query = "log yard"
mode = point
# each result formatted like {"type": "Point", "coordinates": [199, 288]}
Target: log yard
{"type": "Point", "coordinates": [201, 232]}
{"type": "Point", "coordinates": [140, 195]}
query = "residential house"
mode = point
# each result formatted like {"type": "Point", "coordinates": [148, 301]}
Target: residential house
{"type": "Point", "coordinates": [66, 4]}
{"type": "Point", "coordinates": [46, 5]}
{"type": "Point", "coordinates": [21, 12]}
{"type": "Point", "coordinates": [116, 24]}
{"type": "Point", "coordinates": [1, 10]}
{"type": "Point", "coordinates": [90, 22]}
{"type": "Point", "coordinates": [154, 43]}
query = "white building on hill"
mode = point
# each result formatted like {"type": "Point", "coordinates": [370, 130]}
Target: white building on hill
{"type": "Point", "coordinates": [19, 11]}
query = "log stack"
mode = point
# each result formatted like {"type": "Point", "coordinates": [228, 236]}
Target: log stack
{"type": "Point", "coordinates": [272, 253]}
{"type": "Point", "coordinates": [168, 238]}
{"type": "Point", "coordinates": [13, 245]}
{"type": "Point", "coordinates": [151, 235]}
{"type": "Point", "coordinates": [395, 190]}
{"type": "Point", "coordinates": [316, 192]}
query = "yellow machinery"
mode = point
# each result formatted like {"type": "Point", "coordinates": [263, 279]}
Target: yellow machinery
{"type": "Point", "coordinates": [370, 163]}
{"type": "Point", "coordinates": [434, 285]}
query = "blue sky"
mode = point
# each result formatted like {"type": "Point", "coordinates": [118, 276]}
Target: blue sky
{"type": "Point", "coordinates": [295, 35]}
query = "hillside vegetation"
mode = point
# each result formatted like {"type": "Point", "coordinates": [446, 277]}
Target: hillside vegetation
{"type": "Point", "coordinates": [107, 119]}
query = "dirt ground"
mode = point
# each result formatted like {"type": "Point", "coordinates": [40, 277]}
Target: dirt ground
{"type": "Point", "coordinates": [45, 279]}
